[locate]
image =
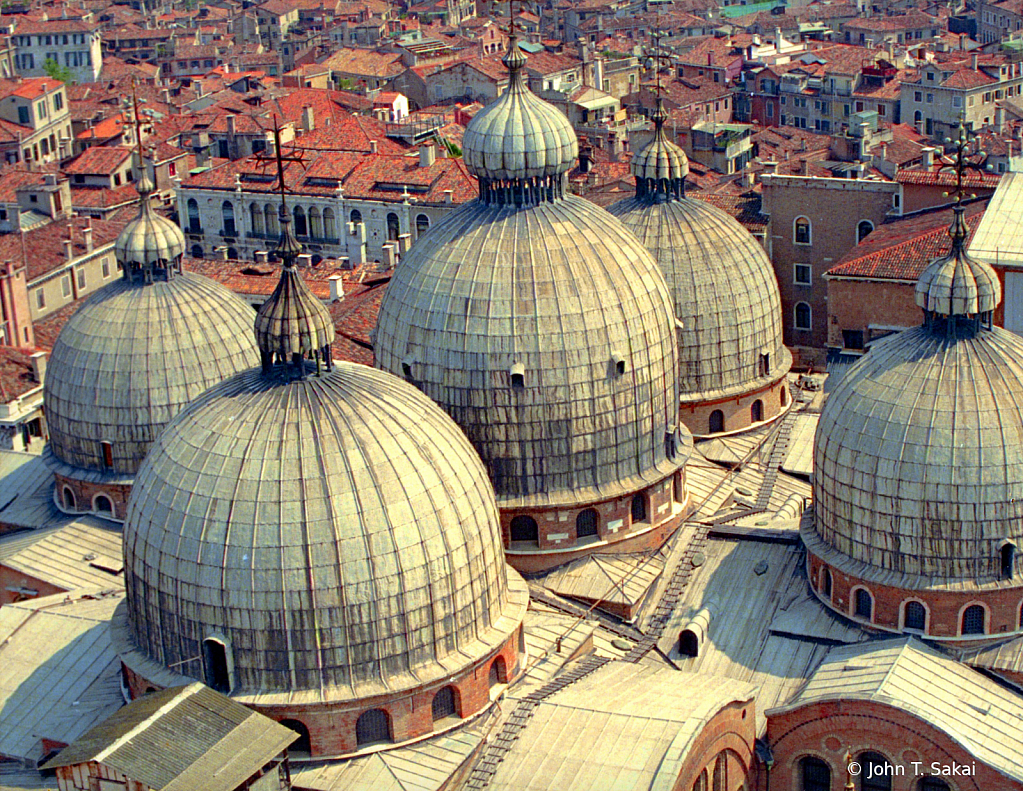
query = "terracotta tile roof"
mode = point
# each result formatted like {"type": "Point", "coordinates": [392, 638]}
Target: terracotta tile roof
{"type": "Point", "coordinates": [11, 132]}
{"type": "Point", "coordinates": [105, 129]}
{"type": "Point", "coordinates": [16, 377]}
{"type": "Point", "coordinates": [47, 329]}
{"type": "Point", "coordinates": [745, 208]}
{"type": "Point", "coordinates": [365, 62]}
{"type": "Point", "coordinates": [98, 160]}
{"type": "Point", "coordinates": [944, 178]}
{"type": "Point", "coordinates": [11, 180]}
{"type": "Point", "coordinates": [900, 249]}
{"type": "Point", "coordinates": [355, 317]}
{"type": "Point", "coordinates": [968, 78]}
{"type": "Point", "coordinates": [27, 87]}
{"type": "Point", "coordinates": [908, 21]}
{"type": "Point", "coordinates": [44, 246]}
{"type": "Point", "coordinates": [54, 26]}
{"type": "Point", "coordinates": [350, 133]}
{"type": "Point", "coordinates": [103, 197]}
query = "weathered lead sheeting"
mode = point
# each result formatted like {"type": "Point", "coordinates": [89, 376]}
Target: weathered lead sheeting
{"type": "Point", "coordinates": [132, 357]}
{"type": "Point", "coordinates": [338, 531]}
{"type": "Point", "coordinates": [83, 554]}
{"type": "Point", "coordinates": [978, 713]}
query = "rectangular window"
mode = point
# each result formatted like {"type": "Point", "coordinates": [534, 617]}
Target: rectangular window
{"type": "Point", "coordinates": [58, 102]}
{"type": "Point", "coordinates": [106, 268]}
{"type": "Point", "coordinates": [957, 101]}
{"type": "Point", "coordinates": [81, 277]}
{"type": "Point", "coordinates": [918, 96]}
{"type": "Point", "coordinates": [23, 115]}
{"type": "Point", "coordinates": [930, 98]}
{"type": "Point", "coordinates": [882, 110]}
{"type": "Point", "coordinates": [930, 76]}
{"type": "Point", "coordinates": [41, 109]}
{"type": "Point", "coordinates": [802, 275]}
{"type": "Point", "coordinates": [65, 285]}
{"type": "Point", "coordinates": [40, 299]}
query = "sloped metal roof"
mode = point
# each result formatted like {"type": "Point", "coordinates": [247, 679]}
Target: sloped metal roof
{"type": "Point", "coordinates": [981, 715]}
{"type": "Point", "coordinates": [84, 554]}
{"type": "Point", "coordinates": [182, 738]}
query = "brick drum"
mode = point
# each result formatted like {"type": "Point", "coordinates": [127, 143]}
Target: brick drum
{"type": "Point", "coordinates": [1003, 604]}
{"type": "Point", "coordinates": [667, 504]}
{"type": "Point", "coordinates": [825, 730]}
{"type": "Point", "coordinates": [331, 726]}
{"type": "Point", "coordinates": [738, 410]}
{"type": "Point", "coordinates": [726, 743]}
{"type": "Point", "coordinates": [85, 493]}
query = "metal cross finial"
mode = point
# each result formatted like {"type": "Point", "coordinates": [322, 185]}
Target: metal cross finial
{"type": "Point", "coordinates": [279, 158]}
{"type": "Point", "coordinates": [138, 118]}
{"type": "Point", "coordinates": [964, 160]}
{"type": "Point", "coordinates": [511, 18]}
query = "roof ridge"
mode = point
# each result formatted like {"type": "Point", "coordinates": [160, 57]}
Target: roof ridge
{"type": "Point", "coordinates": [174, 702]}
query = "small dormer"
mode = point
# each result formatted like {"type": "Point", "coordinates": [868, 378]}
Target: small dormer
{"type": "Point", "coordinates": [50, 197]}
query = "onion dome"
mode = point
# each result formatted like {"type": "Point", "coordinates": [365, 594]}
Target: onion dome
{"type": "Point", "coordinates": [918, 458]}
{"type": "Point", "coordinates": [138, 351]}
{"type": "Point", "coordinates": [724, 291]}
{"type": "Point", "coordinates": [337, 534]}
{"type": "Point", "coordinates": [150, 241]}
{"type": "Point", "coordinates": [543, 327]}
{"type": "Point", "coordinates": [660, 167]}
{"type": "Point", "coordinates": [292, 323]}
{"type": "Point", "coordinates": [519, 137]}
{"type": "Point", "coordinates": [956, 284]}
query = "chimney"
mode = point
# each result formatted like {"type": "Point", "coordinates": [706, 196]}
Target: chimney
{"type": "Point", "coordinates": [261, 256]}
{"type": "Point", "coordinates": [87, 233]}
{"type": "Point", "coordinates": [308, 121]}
{"type": "Point", "coordinates": [165, 95]}
{"type": "Point", "coordinates": [427, 154]}
{"type": "Point", "coordinates": [449, 196]}
{"type": "Point", "coordinates": [804, 168]}
{"type": "Point", "coordinates": [232, 128]}
{"type": "Point", "coordinates": [305, 260]}
{"type": "Point", "coordinates": [221, 253]}
{"type": "Point", "coordinates": [584, 159]}
{"type": "Point", "coordinates": [1000, 118]}
{"type": "Point", "coordinates": [69, 249]}
{"type": "Point", "coordinates": [770, 167]}
{"type": "Point", "coordinates": [927, 158]}
{"type": "Point", "coordinates": [372, 146]}
{"type": "Point", "coordinates": [337, 292]}
{"type": "Point", "coordinates": [974, 61]}
{"type": "Point", "coordinates": [962, 41]}
{"type": "Point", "coordinates": [198, 89]}
{"type": "Point", "coordinates": [39, 366]}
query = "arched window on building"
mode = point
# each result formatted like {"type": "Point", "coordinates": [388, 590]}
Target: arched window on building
{"type": "Point", "coordinates": [524, 528]}
{"type": "Point", "coordinates": [973, 619]}
{"type": "Point", "coordinates": [444, 703]}
{"type": "Point", "coordinates": [875, 772]}
{"type": "Point", "coordinates": [303, 746]}
{"type": "Point", "coordinates": [69, 499]}
{"type": "Point", "coordinates": [355, 217]}
{"type": "Point", "coordinates": [932, 783]}
{"type": "Point", "coordinates": [315, 223]}
{"type": "Point", "coordinates": [1006, 559]}
{"type": "Point", "coordinates": [701, 782]}
{"type": "Point", "coordinates": [214, 665]}
{"type": "Point", "coordinates": [393, 227]}
{"type": "Point", "coordinates": [864, 603]}
{"type": "Point", "coordinates": [193, 216]}
{"type": "Point", "coordinates": [270, 215]}
{"type": "Point", "coordinates": [801, 232]}
{"type": "Point", "coordinates": [716, 424]}
{"type": "Point", "coordinates": [756, 411]}
{"type": "Point", "coordinates": [863, 230]}
{"type": "Point", "coordinates": [586, 523]}
{"type": "Point", "coordinates": [803, 316]}
{"type": "Point", "coordinates": [918, 120]}
{"type": "Point", "coordinates": [422, 224]}
{"type": "Point", "coordinates": [914, 616]}
{"type": "Point", "coordinates": [103, 504]}
{"type": "Point", "coordinates": [720, 776]}
{"type": "Point", "coordinates": [256, 218]}
{"type": "Point", "coordinates": [227, 213]}
{"type": "Point", "coordinates": [372, 727]}
{"type": "Point", "coordinates": [232, 253]}
{"type": "Point", "coordinates": [814, 774]}
{"type": "Point", "coordinates": [301, 227]}
{"type": "Point", "coordinates": [688, 643]}
{"type": "Point", "coordinates": [498, 672]}
{"type": "Point", "coordinates": [197, 251]}
{"type": "Point", "coordinates": [638, 507]}
{"type": "Point", "coordinates": [329, 224]}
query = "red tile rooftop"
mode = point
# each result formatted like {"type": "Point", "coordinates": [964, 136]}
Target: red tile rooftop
{"type": "Point", "coordinates": [16, 373]}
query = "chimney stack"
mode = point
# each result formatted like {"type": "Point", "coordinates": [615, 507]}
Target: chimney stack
{"type": "Point", "coordinates": [232, 125]}
{"type": "Point", "coordinates": [305, 260]}
{"type": "Point", "coordinates": [974, 61]}
{"type": "Point", "coordinates": [927, 158]}
{"type": "Point", "coordinates": [337, 292]}
{"type": "Point", "coordinates": [69, 249]}
{"type": "Point", "coordinates": [427, 154]}
{"type": "Point", "coordinates": [87, 233]}
{"type": "Point", "coordinates": [1000, 118]}
{"type": "Point", "coordinates": [449, 196]}
{"type": "Point", "coordinates": [39, 367]}
{"type": "Point", "coordinates": [308, 121]}
{"type": "Point", "coordinates": [804, 168]}
{"type": "Point", "coordinates": [372, 146]}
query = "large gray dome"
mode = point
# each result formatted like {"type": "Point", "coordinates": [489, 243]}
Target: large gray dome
{"type": "Point", "coordinates": [132, 357]}
{"type": "Point", "coordinates": [337, 532]}
{"type": "Point", "coordinates": [724, 292]}
{"type": "Point", "coordinates": [918, 460]}
{"type": "Point", "coordinates": [545, 330]}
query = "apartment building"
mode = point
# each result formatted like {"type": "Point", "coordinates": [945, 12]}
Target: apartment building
{"type": "Point", "coordinates": [35, 125]}
{"type": "Point", "coordinates": [71, 43]}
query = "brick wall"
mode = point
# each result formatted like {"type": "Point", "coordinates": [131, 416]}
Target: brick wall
{"type": "Point", "coordinates": [944, 608]}
{"type": "Point", "coordinates": [85, 493]}
{"type": "Point", "coordinates": [729, 736]}
{"type": "Point", "coordinates": [737, 411]}
{"type": "Point", "coordinates": [616, 531]}
{"type": "Point", "coordinates": [856, 304]}
{"type": "Point", "coordinates": [826, 730]}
